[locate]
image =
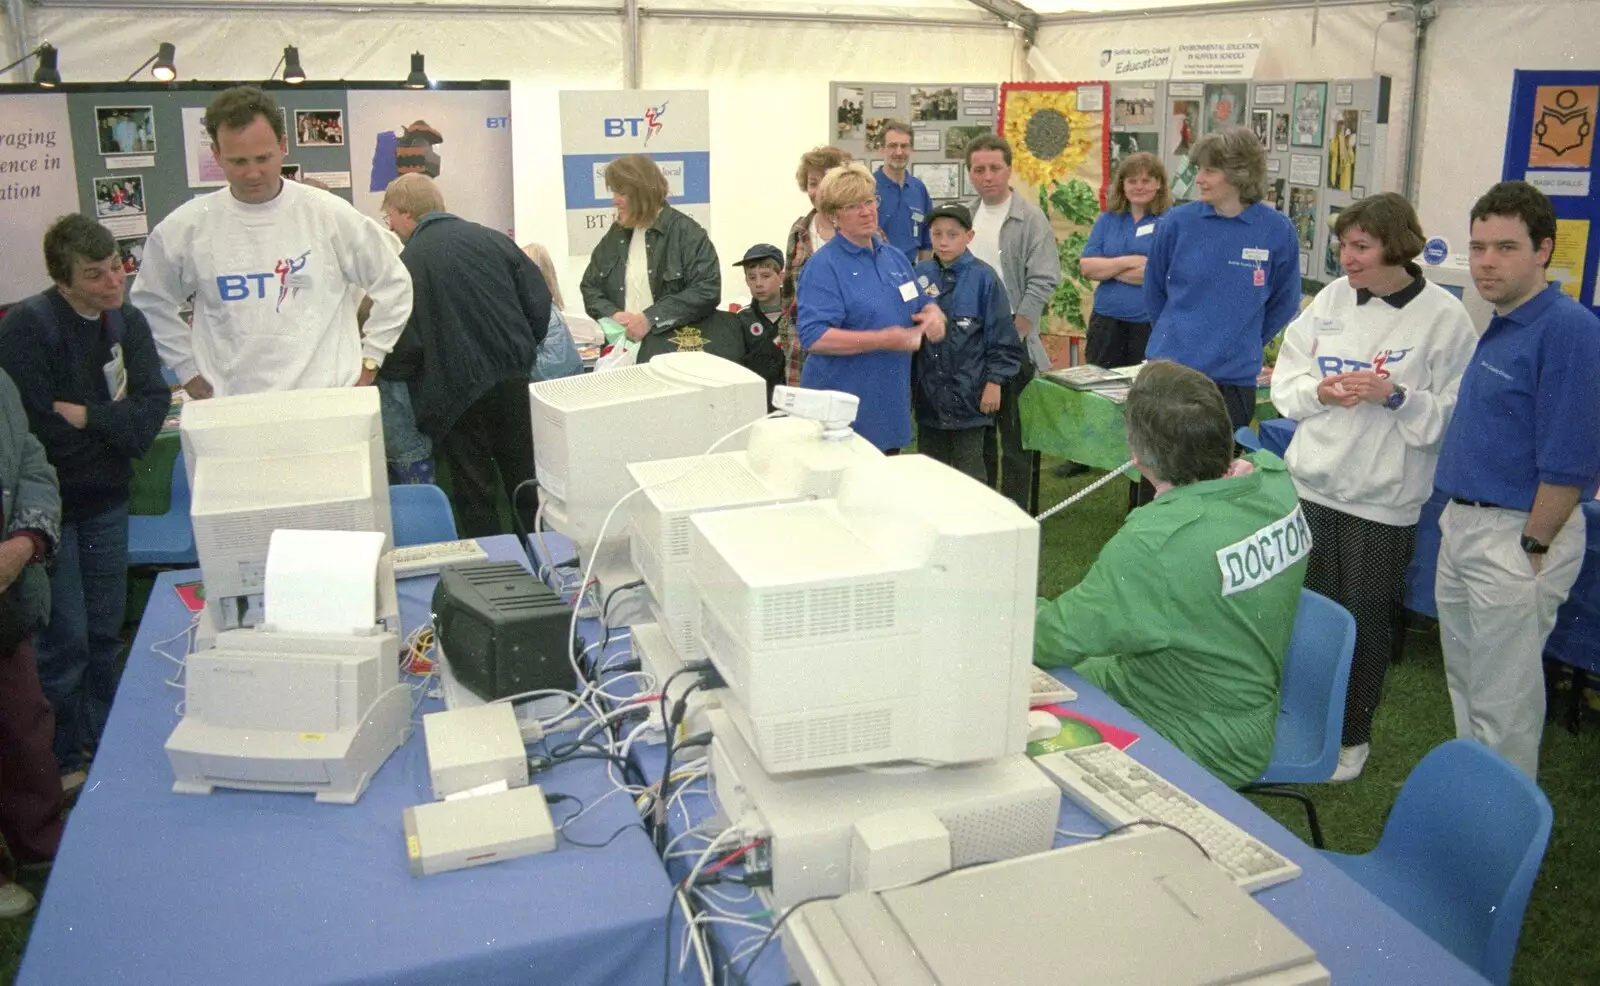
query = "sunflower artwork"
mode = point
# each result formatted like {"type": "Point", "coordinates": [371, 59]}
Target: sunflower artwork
{"type": "Point", "coordinates": [1058, 134]}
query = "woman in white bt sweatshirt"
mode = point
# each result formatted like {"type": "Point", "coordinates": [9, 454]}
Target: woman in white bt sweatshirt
{"type": "Point", "coordinates": [1370, 370]}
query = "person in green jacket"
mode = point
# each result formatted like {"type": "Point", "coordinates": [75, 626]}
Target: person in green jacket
{"type": "Point", "coordinates": [1186, 615]}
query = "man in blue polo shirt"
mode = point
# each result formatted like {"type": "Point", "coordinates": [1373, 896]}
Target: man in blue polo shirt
{"type": "Point", "coordinates": [1223, 275]}
{"type": "Point", "coordinates": [903, 201]}
{"type": "Point", "coordinates": [1521, 454]}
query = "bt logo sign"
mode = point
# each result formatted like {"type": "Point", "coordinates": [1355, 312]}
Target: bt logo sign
{"type": "Point", "coordinates": [633, 126]}
{"type": "Point", "coordinates": [498, 123]}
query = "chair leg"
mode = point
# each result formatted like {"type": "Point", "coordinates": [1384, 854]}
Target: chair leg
{"type": "Point", "coordinates": [1272, 791]}
{"type": "Point", "coordinates": [1575, 701]}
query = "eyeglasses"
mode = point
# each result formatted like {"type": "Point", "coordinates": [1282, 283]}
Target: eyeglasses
{"type": "Point", "coordinates": [861, 206]}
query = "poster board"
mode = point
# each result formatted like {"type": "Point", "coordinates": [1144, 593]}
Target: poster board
{"type": "Point", "coordinates": [943, 117]}
{"type": "Point", "coordinates": [1550, 144]}
{"type": "Point", "coordinates": [1061, 158]}
{"type": "Point", "coordinates": [673, 128]}
{"type": "Point", "coordinates": [128, 154]}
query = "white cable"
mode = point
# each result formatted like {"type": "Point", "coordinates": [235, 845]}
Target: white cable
{"type": "Point", "coordinates": [1074, 498]}
{"type": "Point", "coordinates": [692, 939]}
{"type": "Point", "coordinates": [600, 537]}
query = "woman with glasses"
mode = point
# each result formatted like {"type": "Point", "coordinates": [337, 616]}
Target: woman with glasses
{"type": "Point", "coordinates": [862, 312]}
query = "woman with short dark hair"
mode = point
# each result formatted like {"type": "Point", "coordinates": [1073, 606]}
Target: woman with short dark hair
{"type": "Point", "coordinates": [1370, 370]}
{"type": "Point", "coordinates": [655, 270]}
{"type": "Point", "coordinates": [806, 237]}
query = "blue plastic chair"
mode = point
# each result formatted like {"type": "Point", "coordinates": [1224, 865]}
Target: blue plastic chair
{"type": "Point", "coordinates": [1316, 675]}
{"type": "Point", "coordinates": [165, 539]}
{"type": "Point", "coordinates": [1459, 853]}
{"type": "Point", "coordinates": [421, 515]}
{"type": "Point", "coordinates": [1247, 439]}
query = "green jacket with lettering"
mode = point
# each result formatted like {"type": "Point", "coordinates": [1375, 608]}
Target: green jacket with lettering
{"type": "Point", "coordinates": [1186, 615]}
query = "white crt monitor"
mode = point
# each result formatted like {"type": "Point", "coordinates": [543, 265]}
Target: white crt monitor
{"type": "Point", "coordinates": [894, 623]}
{"type": "Point", "coordinates": [588, 428]}
{"type": "Point", "coordinates": [298, 460]}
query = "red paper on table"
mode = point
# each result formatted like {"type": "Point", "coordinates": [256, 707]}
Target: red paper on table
{"type": "Point", "coordinates": [192, 594]}
{"type": "Point", "coordinates": [1078, 730]}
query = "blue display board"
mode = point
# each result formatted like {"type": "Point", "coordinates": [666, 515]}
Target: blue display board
{"type": "Point", "coordinates": [1550, 142]}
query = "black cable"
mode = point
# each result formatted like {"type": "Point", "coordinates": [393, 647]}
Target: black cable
{"type": "Point", "coordinates": [605, 605]}
{"type": "Point", "coordinates": [750, 963]}
{"type": "Point", "coordinates": [614, 758]}
{"type": "Point", "coordinates": [598, 845]}
{"type": "Point", "coordinates": [666, 776]}
{"type": "Point", "coordinates": [517, 525]}
{"type": "Point", "coordinates": [1151, 821]}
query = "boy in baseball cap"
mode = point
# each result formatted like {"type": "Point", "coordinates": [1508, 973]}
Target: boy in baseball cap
{"type": "Point", "coordinates": [766, 318]}
{"type": "Point", "coordinates": [955, 382]}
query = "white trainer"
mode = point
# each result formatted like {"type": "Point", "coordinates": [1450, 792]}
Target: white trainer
{"type": "Point", "coordinates": [15, 900]}
{"type": "Point", "coordinates": [1351, 760]}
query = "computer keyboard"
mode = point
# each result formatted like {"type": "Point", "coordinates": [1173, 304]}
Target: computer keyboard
{"type": "Point", "coordinates": [1118, 789]}
{"type": "Point", "coordinates": [1044, 689]}
{"type": "Point", "coordinates": [427, 559]}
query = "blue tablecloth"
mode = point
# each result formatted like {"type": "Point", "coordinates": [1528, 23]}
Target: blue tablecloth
{"type": "Point", "coordinates": [1358, 938]}
{"type": "Point", "coordinates": [239, 887]}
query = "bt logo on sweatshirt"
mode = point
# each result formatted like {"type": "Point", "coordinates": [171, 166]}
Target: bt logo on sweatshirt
{"type": "Point", "coordinates": [287, 272]}
{"type": "Point", "coordinates": [1379, 364]}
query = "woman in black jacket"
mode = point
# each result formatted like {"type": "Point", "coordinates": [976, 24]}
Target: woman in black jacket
{"type": "Point", "coordinates": [655, 270]}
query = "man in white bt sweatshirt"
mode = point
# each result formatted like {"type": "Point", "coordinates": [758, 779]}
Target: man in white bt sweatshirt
{"type": "Point", "coordinates": [275, 268]}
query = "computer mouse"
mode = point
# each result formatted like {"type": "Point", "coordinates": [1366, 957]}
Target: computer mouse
{"type": "Point", "coordinates": [1042, 725]}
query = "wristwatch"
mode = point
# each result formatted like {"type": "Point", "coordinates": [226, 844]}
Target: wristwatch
{"type": "Point", "coordinates": [370, 365]}
{"type": "Point", "coordinates": [1534, 546]}
{"type": "Point", "coordinates": [1396, 399]}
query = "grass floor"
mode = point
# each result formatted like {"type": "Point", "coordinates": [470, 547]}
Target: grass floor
{"type": "Point", "coordinates": [1563, 921]}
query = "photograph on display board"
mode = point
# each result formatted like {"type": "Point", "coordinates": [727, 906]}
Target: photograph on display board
{"type": "Point", "coordinates": [1303, 214]}
{"type": "Point", "coordinates": [956, 140]}
{"type": "Point", "coordinates": [1133, 108]}
{"type": "Point", "coordinates": [934, 104]}
{"type": "Point", "coordinates": [1261, 126]}
{"type": "Point", "coordinates": [290, 171]}
{"type": "Point", "coordinates": [875, 132]}
{"type": "Point", "coordinates": [126, 129]}
{"type": "Point", "coordinates": [1183, 126]}
{"type": "Point", "coordinates": [1225, 105]}
{"type": "Point", "coordinates": [1564, 119]}
{"type": "Point", "coordinates": [1275, 194]}
{"type": "Point", "coordinates": [1330, 252]}
{"type": "Point", "coordinates": [1342, 149]}
{"type": "Point", "coordinates": [849, 113]}
{"type": "Point", "coordinates": [943, 178]}
{"type": "Point", "coordinates": [131, 253]}
{"type": "Point", "coordinates": [1059, 137]}
{"type": "Point", "coordinates": [118, 195]}
{"type": "Point", "coordinates": [1125, 144]}
{"type": "Point", "coordinates": [1310, 104]}
{"type": "Point", "coordinates": [319, 128]}
{"type": "Point", "coordinates": [1280, 131]}
{"type": "Point", "coordinates": [1183, 175]}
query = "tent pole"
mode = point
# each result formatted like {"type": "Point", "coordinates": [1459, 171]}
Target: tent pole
{"type": "Point", "coordinates": [17, 26]}
{"type": "Point", "coordinates": [630, 37]}
{"type": "Point", "coordinates": [1423, 13]}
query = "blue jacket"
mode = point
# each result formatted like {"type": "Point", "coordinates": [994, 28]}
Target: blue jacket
{"type": "Point", "coordinates": [1218, 289]}
{"type": "Point", "coordinates": [980, 345]}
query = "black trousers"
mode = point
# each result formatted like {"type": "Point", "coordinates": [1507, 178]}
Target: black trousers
{"type": "Point", "coordinates": [1004, 458]}
{"type": "Point", "coordinates": [1115, 342]}
{"type": "Point", "coordinates": [492, 442]}
{"type": "Point", "coordinates": [1361, 565]}
{"type": "Point", "coordinates": [960, 449]}
{"type": "Point", "coordinates": [1241, 404]}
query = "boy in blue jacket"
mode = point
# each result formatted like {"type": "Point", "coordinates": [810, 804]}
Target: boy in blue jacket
{"type": "Point", "coordinates": [955, 383]}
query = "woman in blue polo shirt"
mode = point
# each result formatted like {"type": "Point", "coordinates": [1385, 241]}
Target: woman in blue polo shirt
{"type": "Point", "coordinates": [1114, 258]}
{"type": "Point", "coordinates": [861, 312]}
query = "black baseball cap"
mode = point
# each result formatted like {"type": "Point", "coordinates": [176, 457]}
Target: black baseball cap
{"type": "Point", "coordinates": [761, 251]}
{"type": "Point", "coordinates": [956, 211]}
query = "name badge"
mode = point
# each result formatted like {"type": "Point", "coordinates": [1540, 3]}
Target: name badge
{"type": "Point", "coordinates": [908, 291]}
{"type": "Point", "coordinates": [1145, 230]}
{"type": "Point", "coordinates": [1257, 255]}
{"type": "Point", "coordinates": [1326, 326]}
{"type": "Point", "coordinates": [1260, 278]}
{"type": "Point", "coordinates": [917, 217]}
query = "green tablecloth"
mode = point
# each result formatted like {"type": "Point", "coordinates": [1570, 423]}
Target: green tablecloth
{"type": "Point", "coordinates": [1082, 426]}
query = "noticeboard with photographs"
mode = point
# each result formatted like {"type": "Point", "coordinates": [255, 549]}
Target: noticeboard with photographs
{"type": "Point", "coordinates": [943, 117]}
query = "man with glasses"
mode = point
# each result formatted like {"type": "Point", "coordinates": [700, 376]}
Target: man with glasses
{"type": "Point", "coordinates": [904, 204]}
{"type": "Point", "coordinates": [91, 384]}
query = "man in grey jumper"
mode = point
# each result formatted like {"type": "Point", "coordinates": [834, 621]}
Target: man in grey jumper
{"type": "Point", "coordinates": [1014, 237]}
